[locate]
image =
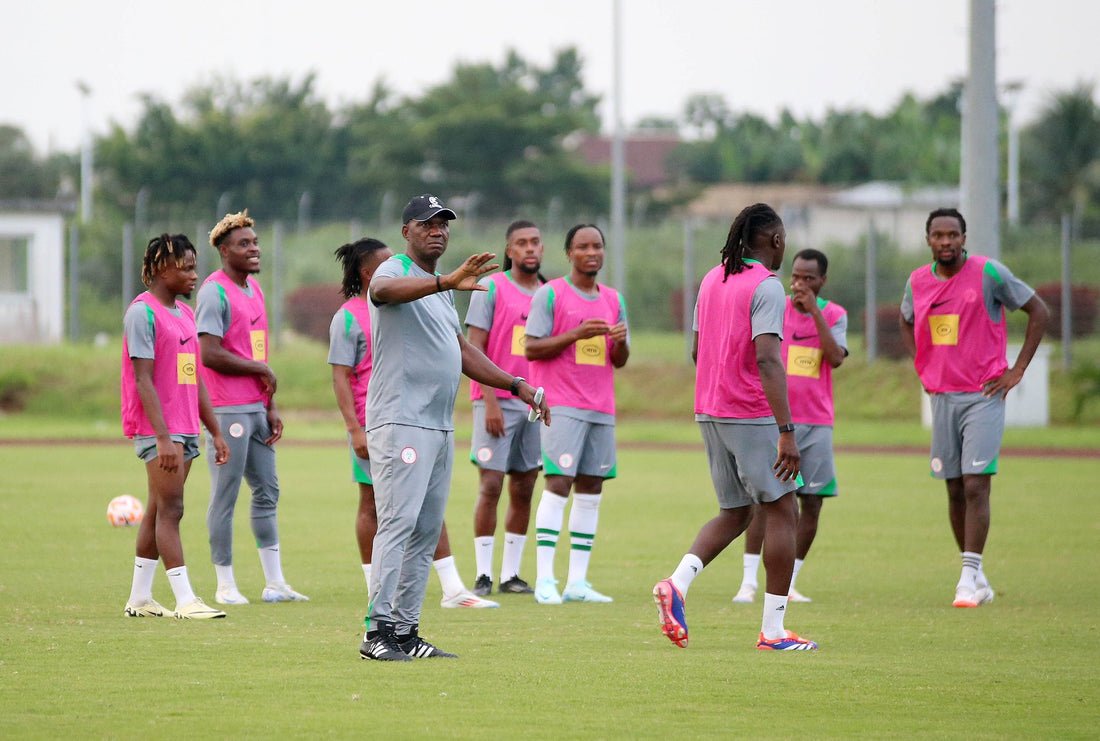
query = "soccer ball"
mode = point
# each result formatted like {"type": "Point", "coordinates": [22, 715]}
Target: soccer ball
{"type": "Point", "coordinates": [124, 511]}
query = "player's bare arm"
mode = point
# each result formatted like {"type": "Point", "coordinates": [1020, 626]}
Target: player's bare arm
{"type": "Point", "coordinates": [217, 358]}
{"type": "Point", "coordinates": [773, 378]}
{"type": "Point", "coordinates": [620, 351]}
{"type": "Point", "coordinates": [345, 401]}
{"type": "Point", "coordinates": [1037, 317]}
{"type": "Point", "coordinates": [168, 453]}
{"type": "Point", "coordinates": [210, 421]}
{"type": "Point", "coordinates": [494, 416]}
{"type": "Point", "coordinates": [544, 348]}
{"type": "Point", "coordinates": [403, 289]}
{"type": "Point", "coordinates": [476, 365]}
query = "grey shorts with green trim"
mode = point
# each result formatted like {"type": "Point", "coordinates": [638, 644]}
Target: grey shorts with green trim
{"type": "Point", "coordinates": [967, 428]}
{"type": "Point", "coordinates": [145, 446]}
{"type": "Point", "coordinates": [741, 457]}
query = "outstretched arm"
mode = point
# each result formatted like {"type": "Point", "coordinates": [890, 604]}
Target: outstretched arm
{"type": "Point", "coordinates": [403, 289]}
{"type": "Point", "coordinates": [477, 366]}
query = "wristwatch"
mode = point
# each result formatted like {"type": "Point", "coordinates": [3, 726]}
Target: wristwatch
{"type": "Point", "coordinates": [786, 428]}
{"type": "Point", "coordinates": [515, 385]}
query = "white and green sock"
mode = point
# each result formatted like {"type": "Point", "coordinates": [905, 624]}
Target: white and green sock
{"type": "Point", "coordinates": [366, 575]}
{"type": "Point", "coordinates": [583, 518]}
{"type": "Point", "coordinates": [548, 519]}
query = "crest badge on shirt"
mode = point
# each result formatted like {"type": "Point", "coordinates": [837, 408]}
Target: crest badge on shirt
{"type": "Point", "coordinates": [408, 455]}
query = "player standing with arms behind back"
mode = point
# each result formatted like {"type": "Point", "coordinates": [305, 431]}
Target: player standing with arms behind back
{"type": "Point", "coordinates": [742, 410]}
{"type": "Point", "coordinates": [952, 320]}
{"type": "Point", "coordinates": [163, 401]}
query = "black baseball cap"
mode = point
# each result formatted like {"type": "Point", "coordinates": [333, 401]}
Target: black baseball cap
{"type": "Point", "coordinates": [425, 207]}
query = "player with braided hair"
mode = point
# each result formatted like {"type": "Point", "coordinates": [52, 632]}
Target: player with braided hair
{"type": "Point", "coordinates": [742, 409]}
{"type": "Point", "coordinates": [163, 401]}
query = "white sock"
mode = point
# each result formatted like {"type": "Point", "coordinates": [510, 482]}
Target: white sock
{"type": "Point", "coordinates": [583, 518]}
{"type": "Point", "coordinates": [483, 554]}
{"type": "Point", "coordinates": [775, 607]}
{"type": "Point", "coordinates": [181, 585]}
{"type": "Point", "coordinates": [225, 576]}
{"type": "Point", "coordinates": [794, 574]}
{"type": "Point", "coordinates": [272, 564]}
{"type": "Point", "coordinates": [548, 519]}
{"type": "Point", "coordinates": [972, 564]}
{"type": "Point", "coordinates": [448, 576]}
{"type": "Point", "coordinates": [750, 563]}
{"type": "Point", "coordinates": [980, 582]}
{"type": "Point", "coordinates": [685, 573]}
{"type": "Point", "coordinates": [366, 575]}
{"type": "Point", "coordinates": [141, 588]}
{"type": "Point", "coordinates": [513, 555]}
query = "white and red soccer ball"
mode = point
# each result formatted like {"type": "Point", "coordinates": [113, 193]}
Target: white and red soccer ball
{"type": "Point", "coordinates": [124, 511]}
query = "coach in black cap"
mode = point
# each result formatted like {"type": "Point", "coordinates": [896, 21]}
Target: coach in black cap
{"type": "Point", "coordinates": [425, 207]}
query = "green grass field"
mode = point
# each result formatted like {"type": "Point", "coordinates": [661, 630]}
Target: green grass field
{"type": "Point", "coordinates": [897, 661]}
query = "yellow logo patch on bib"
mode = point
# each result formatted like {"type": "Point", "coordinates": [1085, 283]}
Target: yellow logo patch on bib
{"type": "Point", "coordinates": [186, 374]}
{"type": "Point", "coordinates": [804, 361]}
{"type": "Point", "coordinates": [945, 329]}
{"type": "Point", "coordinates": [519, 339]}
{"type": "Point", "coordinates": [592, 351]}
{"type": "Point", "coordinates": [259, 345]}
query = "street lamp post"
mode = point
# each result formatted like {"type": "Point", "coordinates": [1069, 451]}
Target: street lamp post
{"type": "Point", "coordinates": [85, 153]}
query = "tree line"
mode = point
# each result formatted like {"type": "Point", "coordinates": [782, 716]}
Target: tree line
{"type": "Point", "coordinates": [500, 138]}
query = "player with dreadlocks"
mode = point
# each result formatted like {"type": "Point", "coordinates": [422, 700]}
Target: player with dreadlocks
{"type": "Point", "coordinates": [742, 409]}
{"type": "Point", "coordinates": [351, 359]}
{"type": "Point", "coordinates": [163, 400]}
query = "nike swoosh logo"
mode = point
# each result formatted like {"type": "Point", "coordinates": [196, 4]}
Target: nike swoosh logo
{"type": "Point", "coordinates": [978, 463]}
{"type": "Point", "coordinates": [937, 304]}
{"type": "Point", "coordinates": [802, 337]}
{"type": "Point", "coordinates": [256, 319]}
{"type": "Point", "coordinates": [815, 483]}
{"type": "Point", "coordinates": [185, 340]}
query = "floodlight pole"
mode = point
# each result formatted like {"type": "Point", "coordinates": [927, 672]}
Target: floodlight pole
{"type": "Point", "coordinates": [85, 153]}
{"type": "Point", "coordinates": [980, 177]}
{"type": "Point", "coordinates": [618, 180]}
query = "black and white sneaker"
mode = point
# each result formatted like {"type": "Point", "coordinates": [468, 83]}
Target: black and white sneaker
{"type": "Point", "coordinates": [483, 587]}
{"type": "Point", "coordinates": [515, 585]}
{"type": "Point", "coordinates": [417, 648]}
{"type": "Point", "coordinates": [382, 645]}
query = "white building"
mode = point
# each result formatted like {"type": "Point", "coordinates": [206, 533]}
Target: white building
{"type": "Point", "coordinates": [32, 271]}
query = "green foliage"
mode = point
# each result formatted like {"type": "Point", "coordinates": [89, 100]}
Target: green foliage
{"type": "Point", "coordinates": [916, 142]}
{"type": "Point", "coordinates": [24, 175]}
{"type": "Point", "coordinates": [897, 661]}
{"type": "Point", "coordinates": [1060, 158]}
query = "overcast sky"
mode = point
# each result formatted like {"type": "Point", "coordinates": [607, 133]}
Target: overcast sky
{"type": "Point", "coordinates": [807, 55]}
